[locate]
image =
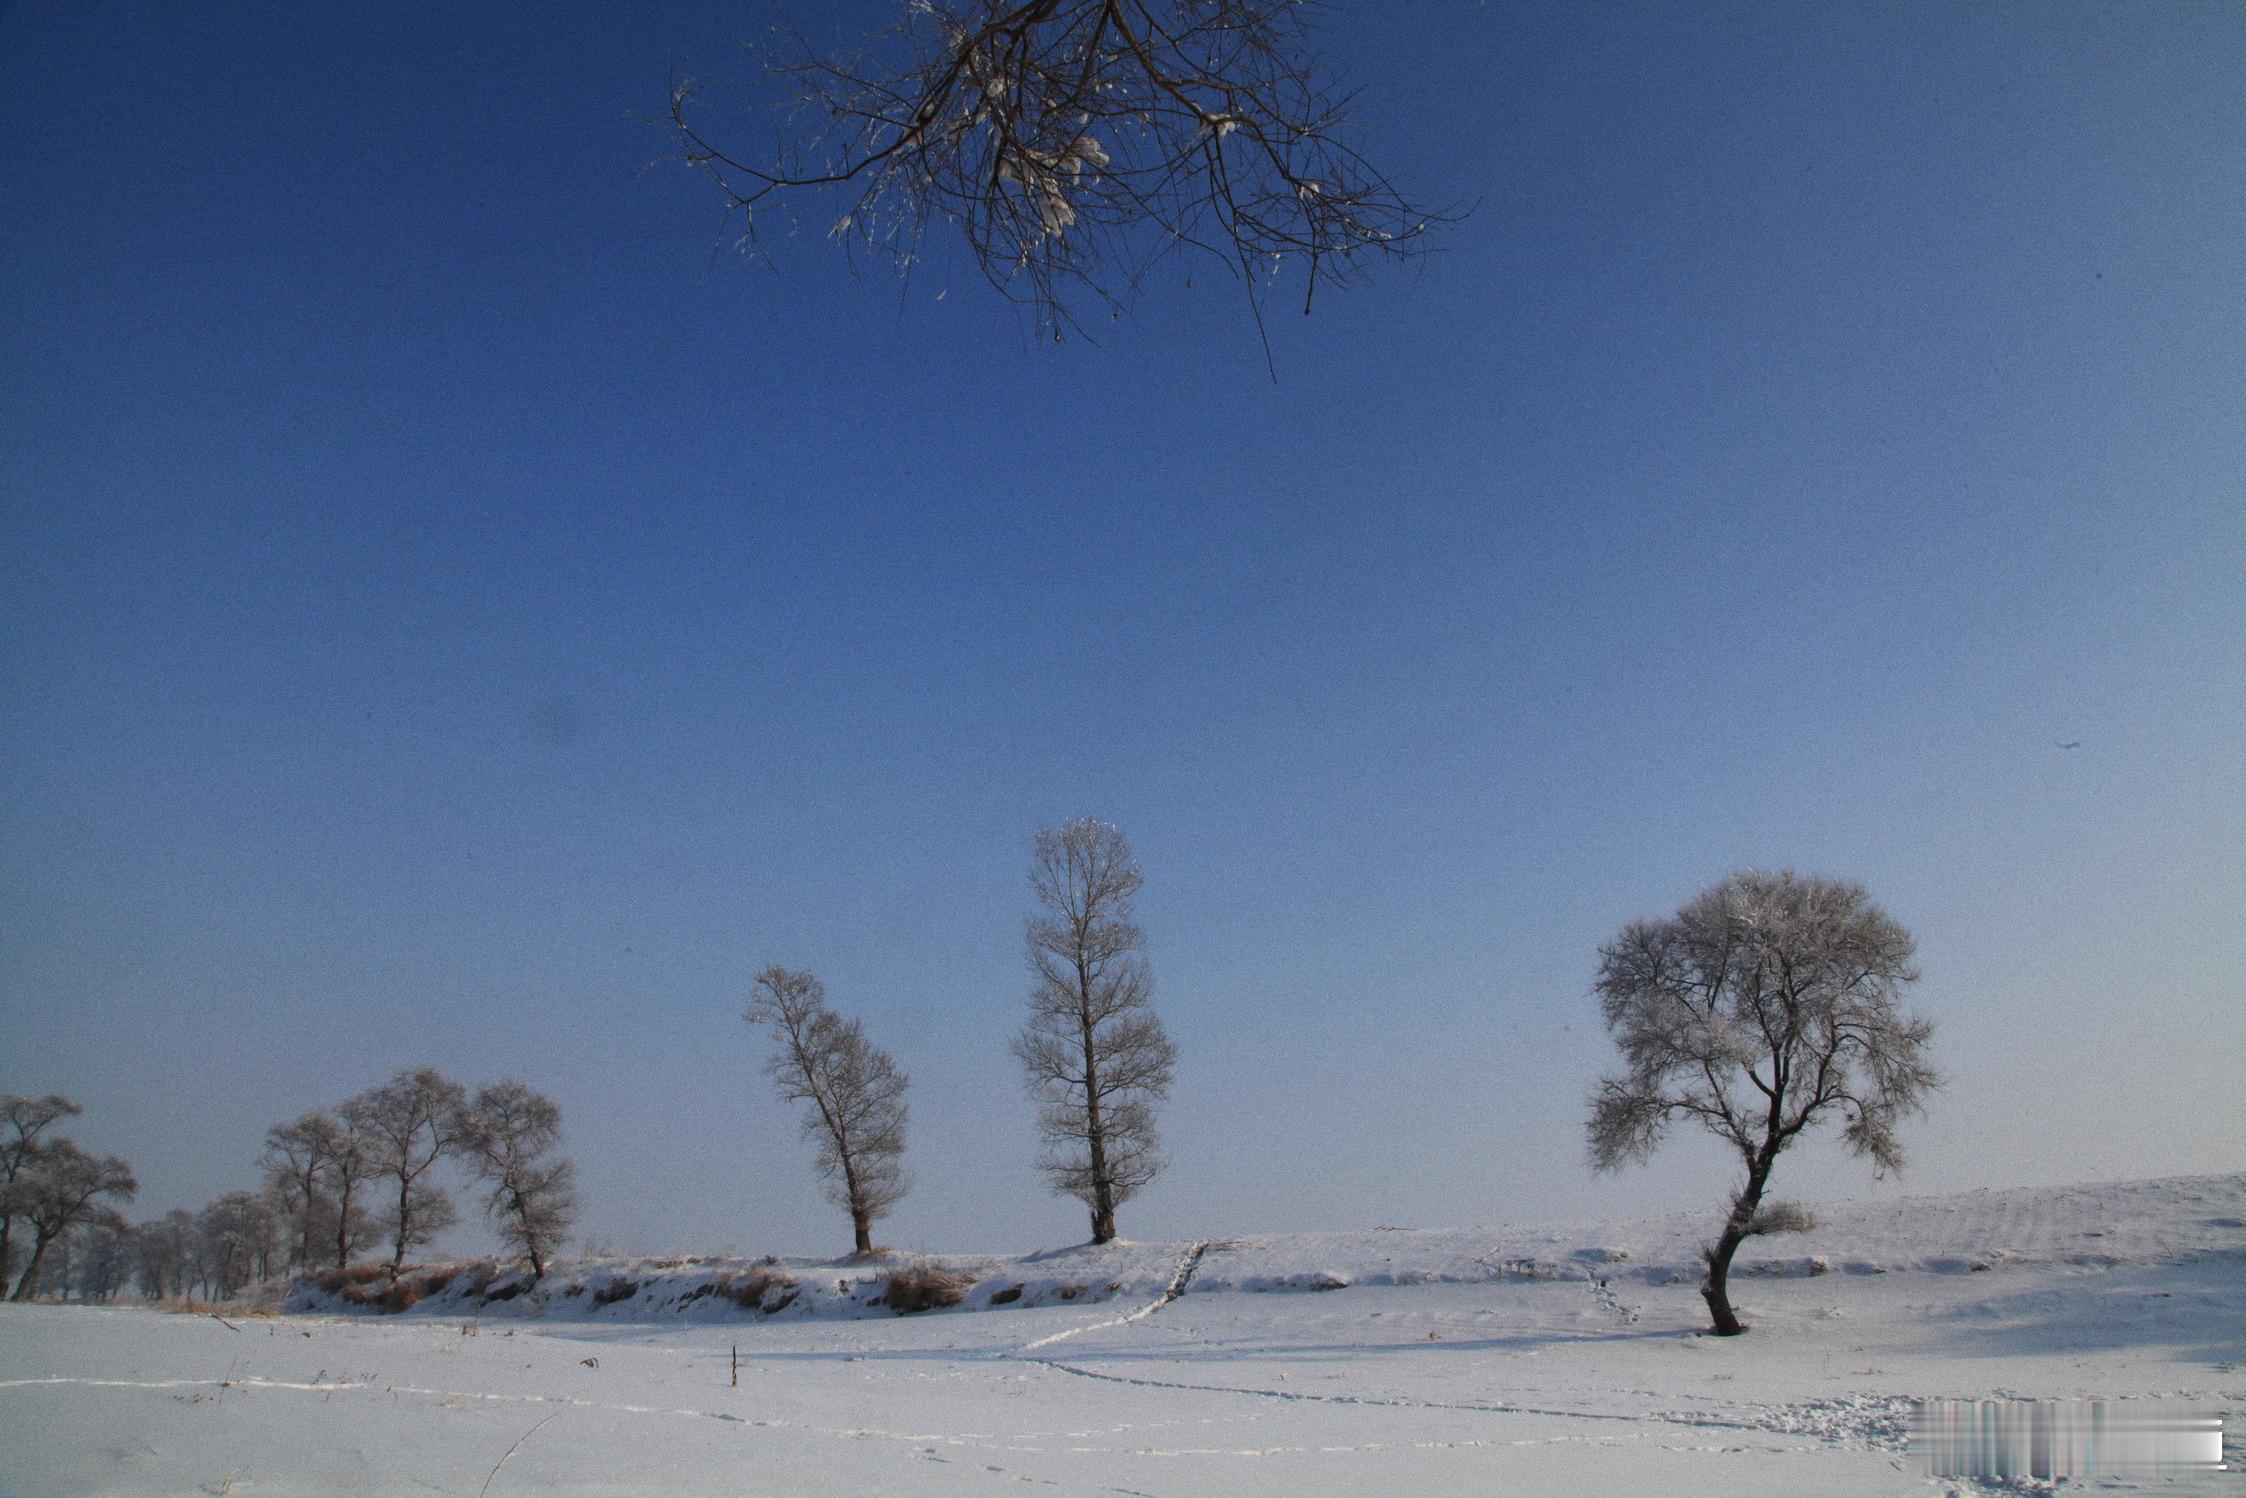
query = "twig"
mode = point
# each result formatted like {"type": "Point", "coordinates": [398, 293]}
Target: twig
{"type": "Point", "coordinates": [510, 1451]}
{"type": "Point", "coordinates": [222, 1321]}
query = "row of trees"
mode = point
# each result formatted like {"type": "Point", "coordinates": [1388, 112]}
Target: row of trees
{"type": "Point", "coordinates": [1093, 1051]}
{"type": "Point", "coordinates": [336, 1184]}
{"type": "Point", "coordinates": [367, 1173]}
{"type": "Point", "coordinates": [50, 1189]}
{"type": "Point", "coordinates": [1766, 1005]}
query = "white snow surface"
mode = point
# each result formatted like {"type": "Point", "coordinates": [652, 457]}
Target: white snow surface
{"type": "Point", "coordinates": [1537, 1359]}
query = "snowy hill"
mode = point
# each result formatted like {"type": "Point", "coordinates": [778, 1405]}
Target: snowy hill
{"type": "Point", "coordinates": [2064, 1229]}
{"type": "Point", "coordinates": [1565, 1358]}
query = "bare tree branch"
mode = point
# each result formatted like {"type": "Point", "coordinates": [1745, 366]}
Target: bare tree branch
{"type": "Point", "coordinates": [1073, 145]}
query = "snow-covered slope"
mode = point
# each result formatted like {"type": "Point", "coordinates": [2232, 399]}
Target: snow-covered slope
{"type": "Point", "coordinates": [2075, 1228]}
{"type": "Point", "coordinates": [1555, 1359]}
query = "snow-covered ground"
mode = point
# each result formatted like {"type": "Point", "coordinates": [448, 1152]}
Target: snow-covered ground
{"type": "Point", "coordinates": [1560, 1359]}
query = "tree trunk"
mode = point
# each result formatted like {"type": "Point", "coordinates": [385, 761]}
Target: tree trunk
{"type": "Point", "coordinates": [343, 1224]}
{"type": "Point", "coordinates": [1095, 1137]}
{"type": "Point", "coordinates": [1737, 1228]}
{"type": "Point", "coordinates": [31, 1270]}
{"type": "Point", "coordinates": [1717, 1289]}
{"type": "Point", "coordinates": [405, 1226]}
{"type": "Point", "coordinates": [863, 1226]}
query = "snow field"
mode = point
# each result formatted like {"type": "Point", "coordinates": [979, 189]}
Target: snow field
{"type": "Point", "coordinates": [1532, 1360]}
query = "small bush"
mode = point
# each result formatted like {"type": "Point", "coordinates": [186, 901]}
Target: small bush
{"type": "Point", "coordinates": [334, 1281]}
{"type": "Point", "coordinates": [505, 1289]}
{"type": "Point", "coordinates": [1070, 1292]}
{"type": "Point", "coordinates": [614, 1291]}
{"type": "Point", "coordinates": [403, 1296]}
{"type": "Point", "coordinates": [1782, 1217]}
{"type": "Point", "coordinates": [749, 1288]}
{"type": "Point", "coordinates": [925, 1288]}
{"type": "Point", "coordinates": [1007, 1296]}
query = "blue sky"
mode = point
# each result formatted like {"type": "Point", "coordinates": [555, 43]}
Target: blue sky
{"type": "Point", "coordinates": [457, 612]}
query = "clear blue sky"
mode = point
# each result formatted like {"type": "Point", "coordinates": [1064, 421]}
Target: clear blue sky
{"type": "Point", "coordinates": [456, 612]}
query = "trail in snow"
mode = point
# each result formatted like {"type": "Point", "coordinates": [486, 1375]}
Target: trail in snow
{"type": "Point", "coordinates": [1184, 1276]}
{"type": "Point", "coordinates": [1186, 1265]}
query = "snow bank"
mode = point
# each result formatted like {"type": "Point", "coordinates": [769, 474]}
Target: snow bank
{"type": "Point", "coordinates": [2078, 1228]}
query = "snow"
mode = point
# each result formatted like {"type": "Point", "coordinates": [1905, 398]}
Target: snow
{"type": "Point", "coordinates": [1554, 1358]}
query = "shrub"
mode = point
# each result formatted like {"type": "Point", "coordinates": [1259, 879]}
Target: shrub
{"type": "Point", "coordinates": [614, 1291]}
{"type": "Point", "coordinates": [1007, 1296]}
{"type": "Point", "coordinates": [925, 1287]}
{"type": "Point", "coordinates": [404, 1295]}
{"type": "Point", "coordinates": [749, 1288]}
{"type": "Point", "coordinates": [335, 1281]}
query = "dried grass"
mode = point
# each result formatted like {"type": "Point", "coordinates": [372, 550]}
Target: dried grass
{"type": "Point", "coordinates": [925, 1287]}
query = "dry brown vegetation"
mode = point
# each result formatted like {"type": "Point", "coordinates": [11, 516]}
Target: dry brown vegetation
{"type": "Point", "coordinates": [925, 1287]}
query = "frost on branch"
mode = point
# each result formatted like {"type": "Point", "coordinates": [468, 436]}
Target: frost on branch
{"type": "Point", "coordinates": [1073, 144]}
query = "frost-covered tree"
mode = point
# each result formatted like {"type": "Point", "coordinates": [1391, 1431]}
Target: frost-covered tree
{"type": "Point", "coordinates": [164, 1254]}
{"type": "Point", "coordinates": [345, 1173]}
{"type": "Point", "coordinates": [1767, 1003]}
{"type": "Point", "coordinates": [23, 1119]}
{"type": "Point", "coordinates": [506, 1135]}
{"type": "Point", "coordinates": [61, 1187]}
{"type": "Point", "coordinates": [856, 1095]}
{"type": "Point", "coordinates": [241, 1237]}
{"type": "Point", "coordinates": [1072, 144]}
{"type": "Point", "coordinates": [1095, 1055]}
{"type": "Point", "coordinates": [104, 1259]}
{"type": "Point", "coordinates": [299, 1159]}
{"type": "Point", "coordinates": [408, 1125]}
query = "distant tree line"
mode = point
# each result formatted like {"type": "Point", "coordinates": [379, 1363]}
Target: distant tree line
{"type": "Point", "coordinates": [336, 1184]}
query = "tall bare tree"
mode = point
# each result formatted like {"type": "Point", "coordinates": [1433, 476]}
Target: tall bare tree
{"type": "Point", "coordinates": [345, 1172]}
{"type": "Point", "coordinates": [1074, 144]}
{"type": "Point", "coordinates": [65, 1186]}
{"type": "Point", "coordinates": [298, 1159]}
{"type": "Point", "coordinates": [856, 1094]}
{"type": "Point", "coordinates": [409, 1124]}
{"type": "Point", "coordinates": [505, 1137]}
{"type": "Point", "coordinates": [23, 1119]}
{"type": "Point", "coordinates": [1766, 1003]}
{"type": "Point", "coordinates": [1094, 1052]}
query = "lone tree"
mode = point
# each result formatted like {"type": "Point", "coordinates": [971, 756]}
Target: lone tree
{"type": "Point", "coordinates": [1074, 144]}
{"type": "Point", "coordinates": [505, 1136]}
{"type": "Point", "coordinates": [23, 1119]}
{"type": "Point", "coordinates": [857, 1095]}
{"type": "Point", "coordinates": [63, 1187]}
{"type": "Point", "coordinates": [1768, 1002]}
{"type": "Point", "coordinates": [1093, 1050]}
{"type": "Point", "coordinates": [408, 1125]}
